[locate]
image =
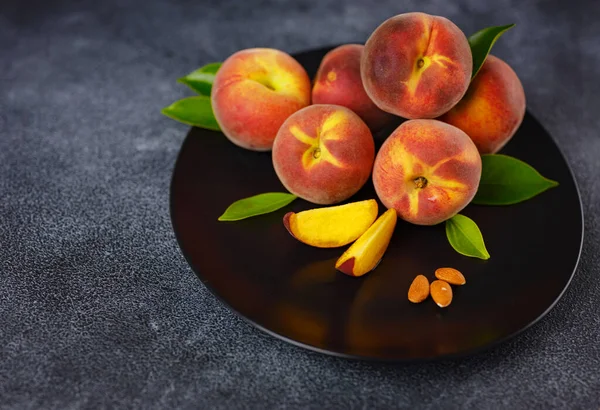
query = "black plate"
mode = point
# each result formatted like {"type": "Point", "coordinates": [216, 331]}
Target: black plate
{"type": "Point", "coordinates": [292, 290]}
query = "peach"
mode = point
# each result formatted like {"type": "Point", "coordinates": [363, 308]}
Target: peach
{"type": "Point", "coordinates": [323, 153]}
{"type": "Point", "coordinates": [254, 92]}
{"type": "Point", "coordinates": [416, 65]}
{"type": "Point", "coordinates": [427, 170]}
{"type": "Point", "coordinates": [364, 255]}
{"type": "Point", "coordinates": [332, 226]}
{"type": "Point", "coordinates": [338, 82]}
{"type": "Point", "coordinates": [493, 107]}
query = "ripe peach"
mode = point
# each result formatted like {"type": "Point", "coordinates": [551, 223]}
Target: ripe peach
{"type": "Point", "coordinates": [323, 153]}
{"type": "Point", "coordinates": [493, 107]}
{"type": "Point", "coordinates": [427, 170]}
{"type": "Point", "coordinates": [338, 82]}
{"type": "Point", "coordinates": [254, 91]}
{"type": "Point", "coordinates": [416, 65]}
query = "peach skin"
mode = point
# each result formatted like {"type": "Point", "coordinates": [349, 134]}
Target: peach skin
{"type": "Point", "coordinates": [364, 254]}
{"type": "Point", "coordinates": [254, 92]}
{"type": "Point", "coordinates": [416, 65]}
{"type": "Point", "coordinates": [323, 153]}
{"type": "Point", "coordinates": [493, 107]}
{"type": "Point", "coordinates": [427, 170]}
{"type": "Point", "coordinates": [338, 82]}
{"type": "Point", "coordinates": [332, 226]}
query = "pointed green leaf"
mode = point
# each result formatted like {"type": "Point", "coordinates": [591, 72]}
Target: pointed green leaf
{"type": "Point", "coordinates": [257, 205]}
{"type": "Point", "coordinates": [481, 43]}
{"type": "Point", "coordinates": [465, 237]}
{"type": "Point", "coordinates": [506, 180]}
{"type": "Point", "coordinates": [195, 111]}
{"type": "Point", "coordinates": [201, 80]}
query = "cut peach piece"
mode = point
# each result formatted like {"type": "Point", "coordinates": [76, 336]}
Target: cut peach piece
{"type": "Point", "coordinates": [364, 254]}
{"type": "Point", "coordinates": [332, 226]}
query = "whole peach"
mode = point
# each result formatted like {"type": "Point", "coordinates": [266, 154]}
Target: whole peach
{"type": "Point", "coordinates": [427, 170]}
{"type": "Point", "coordinates": [254, 92]}
{"type": "Point", "coordinates": [493, 107]}
{"type": "Point", "coordinates": [323, 153]}
{"type": "Point", "coordinates": [416, 65]}
{"type": "Point", "coordinates": [338, 82]}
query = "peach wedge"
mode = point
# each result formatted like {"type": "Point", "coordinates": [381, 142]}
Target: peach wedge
{"type": "Point", "coordinates": [332, 226]}
{"type": "Point", "coordinates": [364, 254]}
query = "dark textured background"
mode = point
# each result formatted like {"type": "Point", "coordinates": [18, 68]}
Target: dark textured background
{"type": "Point", "coordinates": [97, 305]}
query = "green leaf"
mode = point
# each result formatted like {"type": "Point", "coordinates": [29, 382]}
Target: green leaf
{"type": "Point", "coordinates": [465, 237]}
{"type": "Point", "coordinates": [195, 111]}
{"type": "Point", "coordinates": [506, 180]}
{"type": "Point", "coordinates": [481, 43]}
{"type": "Point", "coordinates": [201, 80]}
{"type": "Point", "coordinates": [257, 205]}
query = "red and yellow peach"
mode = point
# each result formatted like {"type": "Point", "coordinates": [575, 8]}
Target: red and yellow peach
{"type": "Point", "coordinates": [254, 92]}
{"type": "Point", "coordinates": [427, 170]}
{"type": "Point", "coordinates": [493, 107]}
{"type": "Point", "coordinates": [416, 65]}
{"type": "Point", "coordinates": [338, 82]}
{"type": "Point", "coordinates": [323, 153]}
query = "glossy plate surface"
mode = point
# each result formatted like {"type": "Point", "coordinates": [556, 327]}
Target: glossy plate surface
{"type": "Point", "coordinates": [292, 290]}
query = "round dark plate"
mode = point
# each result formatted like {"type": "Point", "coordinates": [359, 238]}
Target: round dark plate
{"type": "Point", "coordinates": [292, 290]}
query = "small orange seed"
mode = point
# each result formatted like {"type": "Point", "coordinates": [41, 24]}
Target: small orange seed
{"type": "Point", "coordinates": [419, 289]}
{"type": "Point", "coordinates": [450, 275]}
{"type": "Point", "coordinates": [441, 293]}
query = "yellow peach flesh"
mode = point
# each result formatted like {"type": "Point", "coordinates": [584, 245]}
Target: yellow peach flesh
{"type": "Point", "coordinates": [364, 254]}
{"type": "Point", "coordinates": [332, 226]}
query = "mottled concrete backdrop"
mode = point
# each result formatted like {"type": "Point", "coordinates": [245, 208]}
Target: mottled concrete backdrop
{"type": "Point", "coordinates": [98, 308]}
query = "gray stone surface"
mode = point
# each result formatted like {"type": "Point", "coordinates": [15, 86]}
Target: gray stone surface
{"type": "Point", "coordinates": [98, 308]}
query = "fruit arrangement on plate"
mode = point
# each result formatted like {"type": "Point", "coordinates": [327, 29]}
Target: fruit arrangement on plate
{"type": "Point", "coordinates": [456, 106]}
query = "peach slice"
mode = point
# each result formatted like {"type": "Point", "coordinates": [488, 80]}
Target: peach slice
{"type": "Point", "coordinates": [332, 226]}
{"type": "Point", "coordinates": [364, 254]}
